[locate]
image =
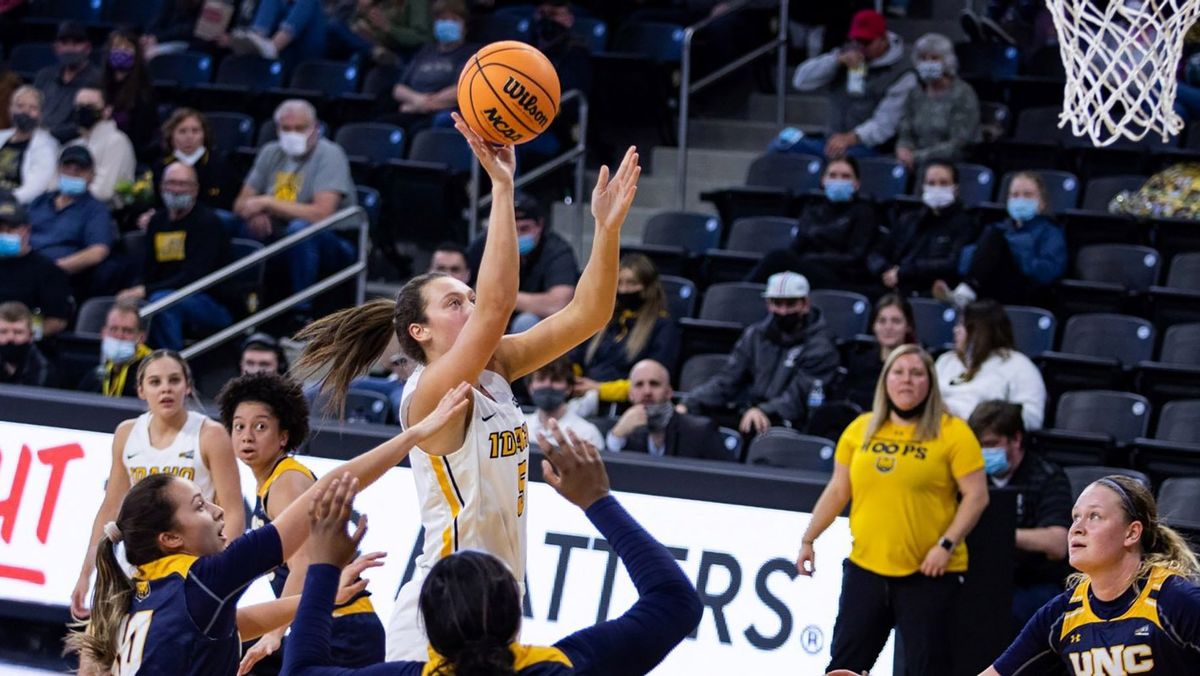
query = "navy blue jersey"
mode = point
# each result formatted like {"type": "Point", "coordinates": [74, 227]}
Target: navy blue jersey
{"type": "Point", "coordinates": [260, 518]}
{"type": "Point", "coordinates": [1153, 628]}
{"type": "Point", "coordinates": [183, 616]}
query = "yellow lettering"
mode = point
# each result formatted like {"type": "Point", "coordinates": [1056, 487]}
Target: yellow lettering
{"type": "Point", "coordinates": [522, 476]}
{"type": "Point", "coordinates": [494, 438]}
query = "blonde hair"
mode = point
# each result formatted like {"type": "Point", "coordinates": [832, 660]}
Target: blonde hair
{"type": "Point", "coordinates": [929, 425]}
{"type": "Point", "coordinates": [654, 306]}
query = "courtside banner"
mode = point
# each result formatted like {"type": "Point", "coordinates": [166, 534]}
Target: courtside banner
{"type": "Point", "coordinates": [759, 616]}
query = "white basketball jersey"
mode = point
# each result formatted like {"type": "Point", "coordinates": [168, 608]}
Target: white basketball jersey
{"type": "Point", "coordinates": [475, 497]}
{"type": "Point", "coordinates": [182, 458]}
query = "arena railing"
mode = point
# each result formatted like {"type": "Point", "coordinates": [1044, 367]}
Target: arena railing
{"type": "Point", "coordinates": [356, 271]}
{"type": "Point", "coordinates": [576, 154]}
{"type": "Point", "coordinates": [687, 88]}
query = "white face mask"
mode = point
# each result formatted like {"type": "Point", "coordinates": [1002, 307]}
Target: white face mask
{"type": "Point", "coordinates": [938, 196]}
{"type": "Point", "coordinates": [293, 143]}
{"type": "Point", "coordinates": [191, 158]}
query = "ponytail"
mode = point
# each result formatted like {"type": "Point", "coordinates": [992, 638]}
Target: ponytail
{"type": "Point", "coordinates": [348, 341]}
{"type": "Point", "coordinates": [1168, 549]}
{"type": "Point", "coordinates": [96, 638]}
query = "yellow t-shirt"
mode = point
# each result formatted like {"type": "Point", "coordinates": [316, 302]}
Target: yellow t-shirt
{"type": "Point", "coordinates": [903, 493]}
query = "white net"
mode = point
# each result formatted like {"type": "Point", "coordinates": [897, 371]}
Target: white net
{"type": "Point", "coordinates": [1121, 57]}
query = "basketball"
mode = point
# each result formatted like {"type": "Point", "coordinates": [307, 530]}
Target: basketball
{"type": "Point", "coordinates": [508, 92]}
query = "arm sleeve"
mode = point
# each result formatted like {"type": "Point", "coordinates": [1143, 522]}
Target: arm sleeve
{"type": "Point", "coordinates": [201, 255]}
{"type": "Point", "coordinates": [257, 179]}
{"type": "Point", "coordinates": [1179, 605]}
{"type": "Point", "coordinates": [962, 130]}
{"type": "Point", "coordinates": [847, 443]}
{"type": "Point", "coordinates": [966, 455]}
{"type": "Point", "coordinates": [816, 72]}
{"type": "Point", "coordinates": [614, 390]}
{"type": "Point", "coordinates": [1036, 648]}
{"type": "Point", "coordinates": [667, 608]}
{"type": "Point", "coordinates": [1048, 259]}
{"type": "Point", "coordinates": [613, 442]}
{"type": "Point", "coordinates": [1029, 390]}
{"type": "Point", "coordinates": [40, 169]}
{"type": "Point", "coordinates": [881, 126]}
{"type": "Point", "coordinates": [719, 389]}
{"type": "Point", "coordinates": [97, 228]}
{"type": "Point", "coordinates": [334, 174]}
{"type": "Point", "coordinates": [114, 163]}
{"type": "Point", "coordinates": [904, 131]}
{"type": "Point", "coordinates": [215, 582]}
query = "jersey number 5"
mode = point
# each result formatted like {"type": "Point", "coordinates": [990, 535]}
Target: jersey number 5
{"type": "Point", "coordinates": [522, 478]}
{"type": "Point", "coordinates": [133, 641]}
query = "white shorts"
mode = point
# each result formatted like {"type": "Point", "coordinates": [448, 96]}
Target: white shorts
{"type": "Point", "coordinates": [406, 638]}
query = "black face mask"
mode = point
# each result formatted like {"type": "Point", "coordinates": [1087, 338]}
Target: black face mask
{"type": "Point", "coordinates": [86, 117]}
{"type": "Point", "coordinates": [910, 414]}
{"type": "Point", "coordinates": [630, 301]}
{"type": "Point", "coordinates": [550, 33]}
{"type": "Point", "coordinates": [14, 353]}
{"type": "Point", "coordinates": [786, 323]}
{"type": "Point", "coordinates": [548, 399]}
{"type": "Point", "coordinates": [24, 122]}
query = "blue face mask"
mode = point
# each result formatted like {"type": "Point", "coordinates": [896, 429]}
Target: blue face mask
{"type": "Point", "coordinates": [995, 461]}
{"type": "Point", "coordinates": [10, 244]}
{"type": "Point", "coordinates": [447, 31]}
{"type": "Point", "coordinates": [525, 244]}
{"type": "Point", "coordinates": [1022, 208]}
{"type": "Point", "coordinates": [72, 185]}
{"type": "Point", "coordinates": [839, 190]}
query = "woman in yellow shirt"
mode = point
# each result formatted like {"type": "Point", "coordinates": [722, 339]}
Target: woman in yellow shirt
{"type": "Point", "coordinates": [904, 465]}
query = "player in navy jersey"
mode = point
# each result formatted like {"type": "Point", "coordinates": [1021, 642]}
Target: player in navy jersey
{"type": "Point", "coordinates": [178, 616]}
{"type": "Point", "coordinates": [266, 416]}
{"type": "Point", "coordinates": [1133, 608]}
{"type": "Point", "coordinates": [471, 604]}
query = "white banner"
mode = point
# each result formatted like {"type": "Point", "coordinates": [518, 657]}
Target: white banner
{"type": "Point", "coordinates": [759, 617]}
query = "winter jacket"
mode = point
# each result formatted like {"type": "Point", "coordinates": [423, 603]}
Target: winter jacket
{"type": "Point", "coordinates": [837, 233]}
{"type": "Point", "coordinates": [1038, 247]}
{"type": "Point", "coordinates": [610, 365]}
{"type": "Point", "coordinates": [925, 244]}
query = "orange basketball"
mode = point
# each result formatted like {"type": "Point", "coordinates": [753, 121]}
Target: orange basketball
{"type": "Point", "coordinates": [508, 92]}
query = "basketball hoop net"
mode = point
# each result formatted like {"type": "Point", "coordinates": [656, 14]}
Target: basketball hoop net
{"type": "Point", "coordinates": [1121, 57]}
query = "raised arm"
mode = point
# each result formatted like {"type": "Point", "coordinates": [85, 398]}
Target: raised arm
{"type": "Point", "coordinates": [114, 493]}
{"type": "Point", "coordinates": [592, 306]}
{"type": "Point", "coordinates": [217, 452]}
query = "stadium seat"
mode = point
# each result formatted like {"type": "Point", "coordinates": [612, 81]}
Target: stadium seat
{"type": "Point", "coordinates": [604, 423]}
{"type": "Point", "coordinates": [445, 146]}
{"type": "Point", "coordinates": [986, 59]}
{"type": "Point", "coordinates": [1109, 278]}
{"type": "Point", "coordinates": [995, 118]}
{"type": "Point", "coordinates": [1093, 427]}
{"type": "Point", "coordinates": [845, 312]}
{"type": "Point", "coordinates": [1179, 421]}
{"type": "Point", "coordinates": [831, 419]}
{"type": "Point", "coordinates": [674, 239]}
{"type": "Point", "coordinates": [1084, 228]}
{"type": "Point", "coordinates": [681, 295]}
{"type": "Point", "coordinates": [661, 42]}
{"type": "Point", "coordinates": [935, 322]}
{"type": "Point", "coordinates": [27, 58]}
{"type": "Point", "coordinates": [733, 442]}
{"type": "Point", "coordinates": [499, 26]}
{"type": "Point", "coordinates": [421, 193]}
{"type": "Point", "coordinates": [1181, 345]}
{"type": "Point", "coordinates": [1033, 329]}
{"type": "Point", "coordinates": [1094, 350]}
{"type": "Point", "coordinates": [1176, 374]}
{"type": "Point", "coordinates": [1100, 191]}
{"type": "Point", "coordinates": [183, 70]}
{"type": "Point", "coordinates": [371, 143]}
{"type": "Point", "coordinates": [1179, 503]}
{"type": "Point", "coordinates": [1034, 142]}
{"type": "Point", "coordinates": [772, 182]}
{"type": "Point", "coordinates": [1062, 188]}
{"type": "Point", "coordinates": [253, 73]}
{"type": "Point", "coordinates": [782, 447]}
{"type": "Point", "coordinates": [1175, 236]}
{"type": "Point", "coordinates": [793, 171]}
{"type": "Point", "coordinates": [593, 32]}
{"type": "Point", "coordinates": [1081, 477]}
{"type": "Point", "coordinates": [725, 311]}
{"type": "Point", "coordinates": [748, 240]}
{"type": "Point", "coordinates": [230, 131]}
{"type": "Point", "coordinates": [138, 13]}
{"type": "Point", "coordinates": [523, 11]}
{"type": "Point", "coordinates": [366, 406]}
{"type": "Point", "coordinates": [698, 369]}
{"type": "Point", "coordinates": [369, 200]}
{"type": "Point", "coordinates": [85, 11]}
{"type": "Point", "coordinates": [329, 79]}
{"type": "Point", "coordinates": [976, 184]}
{"type": "Point", "coordinates": [881, 178]}
{"type": "Point", "coordinates": [1178, 300]}
{"type": "Point", "coordinates": [93, 314]}
{"type": "Point", "coordinates": [379, 81]}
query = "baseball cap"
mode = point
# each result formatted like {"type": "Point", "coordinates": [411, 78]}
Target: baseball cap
{"type": "Point", "coordinates": [526, 206]}
{"type": "Point", "coordinates": [867, 25]}
{"type": "Point", "coordinates": [786, 285]}
{"type": "Point", "coordinates": [77, 155]}
{"type": "Point", "coordinates": [11, 211]}
{"type": "Point", "coordinates": [71, 31]}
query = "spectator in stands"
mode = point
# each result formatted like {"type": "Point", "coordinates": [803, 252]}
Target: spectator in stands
{"type": "Point", "coordinates": [261, 354]}
{"type": "Point", "coordinates": [869, 79]}
{"type": "Point", "coordinates": [186, 138]}
{"type": "Point", "coordinates": [292, 31]}
{"type": "Point", "coordinates": [451, 258]}
{"type": "Point", "coordinates": [548, 268]}
{"type": "Point", "coordinates": [73, 228]}
{"type": "Point", "coordinates": [122, 349]}
{"type": "Point", "coordinates": [1016, 260]}
{"type": "Point", "coordinates": [296, 181]}
{"type": "Point", "coordinates": [893, 325]}
{"type": "Point", "coordinates": [28, 277]}
{"type": "Point", "coordinates": [653, 426]}
{"type": "Point", "coordinates": [985, 365]}
{"type": "Point", "coordinates": [28, 153]}
{"type": "Point", "coordinates": [640, 329]}
{"type": "Point", "coordinates": [184, 242]}
{"type": "Point", "coordinates": [59, 84]}
{"type": "Point", "coordinates": [776, 361]}
{"type": "Point", "coordinates": [834, 235]}
{"type": "Point", "coordinates": [386, 31]}
{"type": "Point", "coordinates": [941, 117]}
{"type": "Point", "coordinates": [550, 388]}
{"type": "Point", "coordinates": [552, 35]}
{"type": "Point", "coordinates": [128, 89]}
{"type": "Point", "coordinates": [1044, 506]}
{"type": "Point", "coordinates": [428, 88]}
{"type": "Point", "coordinates": [924, 245]}
{"type": "Point", "coordinates": [111, 149]}
{"type": "Point", "coordinates": [173, 27]}
{"type": "Point", "coordinates": [907, 522]}
{"type": "Point", "coordinates": [21, 362]}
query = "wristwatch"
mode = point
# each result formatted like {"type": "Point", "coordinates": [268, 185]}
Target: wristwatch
{"type": "Point", "coordinates": [946, 544]}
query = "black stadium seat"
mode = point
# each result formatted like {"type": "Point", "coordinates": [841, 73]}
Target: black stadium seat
{"type": "Point", "coordinates": [253, 73]}
{"type": "Point", "coordinates": [748, 240]}
{"type": "Point", "coordinates": [881, 178]}
{"type": "Point", "coordinates": [370, 144]}
{"type": "Point", "coordinates": [845, 312]}
{"type": "Point", "coordinates": [698, 369]}
{"type": "Point", "coordinates": [976, 184]}
{"type": "Point", "coordinates": [1178, 300]}
{"type": "Point", "coordinates": [27, 58]}
{"type": "Point", "coordinates": [773, 181]}
{"type": "Point", "coordinates": [782, 447]}
{"type": "Point", "coordinates": [327, 78]}
{"type": "Point", "coordinates": [681, 295]}
{"type": "Point", "coordinates": [1081, 477]}
{"type": "Point", "coordinates": [1179, 503]}
{"type": "Point", "coordinates": [230, 131]}
{"type": "Point", "coordinates": [182, 70]}
{"type": "Point", "coordinates": [733, 442]}
{"type": "Point", "coordinates": [93, 314]}
{"type": "Point", "coordinates": [1179, 422]}
{"type": "Point", "coordinates": [1109, 278]}
{"type": "Point", "coordinates": [1095, 350]}
{"type": "Point", "coordinates": [1093, 427]}
{"type": "Point", "coordinates": [656, 41]}
{"type": "Point", "coordinates": [1033, 329]}
{"type": "Point", "coordinates": [445, 146]}
{"type": "Point", "coordinates": [935, 322]}
{"type": "Point", "coordinates": [674, 239]}
{"type": "Point", "coordinates": [724, 312]}
{"type": "Point", "coordinates": [1100, 191]}
{"type": "Point", "coordinates": [1176, 374]}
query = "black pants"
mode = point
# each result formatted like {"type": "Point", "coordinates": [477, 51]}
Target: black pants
{"type": "Point", "coordinates": [919, 607]}
{"type": "Point", "coordinates": [994, 272]}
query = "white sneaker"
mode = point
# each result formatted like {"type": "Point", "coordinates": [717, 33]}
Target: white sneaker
{"type": "Point", "coordinates": [242, 42]}
{"type": "Point", "coordinates": [964, 295]}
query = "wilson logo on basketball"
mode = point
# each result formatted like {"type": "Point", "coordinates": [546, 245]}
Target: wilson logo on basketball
{"type": "Point", "coordinates": [517, 92]}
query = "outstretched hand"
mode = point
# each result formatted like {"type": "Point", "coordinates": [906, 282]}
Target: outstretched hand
{"type": "Point", "coordinates": [500, 162]}
{"type": "Point", "coordinates": [328, 514]}
{"type": "Point", "coordinates": [612, 198]}
{"type": "Point", "coordinates": [453, 404]}
{"type": "Point", "coordinates": [572, 466]}
{"type": "Point", "coordinates": [352, 583]}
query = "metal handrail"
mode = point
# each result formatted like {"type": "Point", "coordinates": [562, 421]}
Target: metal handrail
{"type": "Point", "coordinates": [687, 87]}
{"type": "Point", "coordinates": [577, 154]}
{"type": "Point", "coordinates": [357, 269]}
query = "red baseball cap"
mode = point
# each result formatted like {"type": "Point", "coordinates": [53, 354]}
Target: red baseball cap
{"type": "Point", "coordinates": [867, 25]}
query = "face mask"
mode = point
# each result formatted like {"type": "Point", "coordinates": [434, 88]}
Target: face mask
{"type": "Point", "coordinates": [839, 190]}
{"type": "Point", "coordinates": [10, 244]}
{"type": "Point", "coordinates": [629, 301]}
{"type": "Point", "coordinates": [525, 244]}
{"type": "Point", "coordinates": [86, 117]}
{"type": "Point", "coordinates": [938, 196]}
{"type": "Point", "coordinates": [910, 414]}
{"type": "Point", "coordinates": [548, 399]}
{"type": "Point", "coordinates": [116, 350]}
{"type": "Point", "coordinates": [1022, 208]}
{"type": "Point", "coordinates": [71, 58]}
{"type": "Point", "coordinates": [175, 201]}
{"type": "Point", "coordinates": [930, 70]}
{"type": "Point", "coordinates": [72, 185]}
{"type": "Point", "coordinates": [189, 159]}
{"type": "Point", "coordinates": [24, 122]}
{"type": "Point", "coordinates": [121, 59]}
{"type": "Point", "coordinates": [447, 31]}
{"type": "Point", "coordinates": [14, 353]}
{"type": "Point", "coordinates": [995, 461]}
{"type": "Point", "coordinates": [786, 323]}
{"type": "Point", "coordinates": [293, 143]}
{"type": "Point", "coordinates": [658, 415]}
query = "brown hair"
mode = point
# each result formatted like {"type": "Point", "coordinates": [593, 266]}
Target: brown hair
{"type": "Point", "coordinates": [456, 7]}
{"type": "Point", "coordinates": [177, 117]}
{"type": "Point", "coordinates": [170, 354]}
{"type": "Point", "coordinates": [1039, 182]}
{"type": "Point", "coordinates": [896, 300]}
{"type": "Point", "coordinates": [989, 331]}
{"type": "Point", "coordinates": [998, 417]}
{"type": "Point", "coordinates": [129, 307]}
{"type": "Point", "coordinates": [654, 306]}
{"type": "Point", "coordinates": [929, 425]}
{"type": "Point", "coordinates": [559, 369]}
{"type": "Point", "coordinates": [351, 340]}
{"type": "Point", "coordinates": [15, 311]}
{"type": "Point", "coordinates": [1161, 545]}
